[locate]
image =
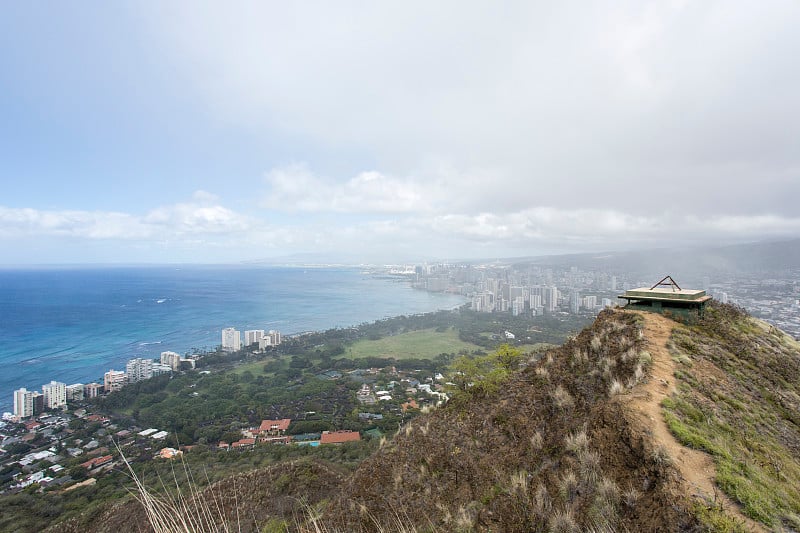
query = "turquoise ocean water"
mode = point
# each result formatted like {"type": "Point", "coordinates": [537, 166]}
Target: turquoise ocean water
{"type": "Point", "coordinates": [72, 325]}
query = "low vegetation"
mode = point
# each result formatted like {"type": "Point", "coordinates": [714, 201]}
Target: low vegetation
{"type": "Point", "coordinates": [422, 344]}
{"type": "Point", "coordinates": [738, 399]}
{"type": "Point", "coordinates": [540, 449]}
{"type": "Point", "coordinates": [540, 442]}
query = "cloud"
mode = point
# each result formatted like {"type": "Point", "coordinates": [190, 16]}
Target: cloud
{"type": "Point", "coordinates": [195, 218]}
{"type": "Point", "coordinates": [450, 127]}
{"type": "Point", "coordinates": [295, 188]}
{"type": "Point", "coordinates": [604, 229]}
{"type": "Point", "coordinates": [565, 106]}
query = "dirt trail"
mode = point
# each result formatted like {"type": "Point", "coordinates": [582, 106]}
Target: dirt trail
{"type": "Point", "coordinates": [696, 468]}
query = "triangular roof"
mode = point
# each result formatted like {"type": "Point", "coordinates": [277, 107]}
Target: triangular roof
{"type": "Point", "coordinates": [665, 283]}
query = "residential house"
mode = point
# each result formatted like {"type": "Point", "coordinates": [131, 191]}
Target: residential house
{"type": "Point", "coordinates": [274, 428]}
{"type": "Point", "coordinates": [338, 437]}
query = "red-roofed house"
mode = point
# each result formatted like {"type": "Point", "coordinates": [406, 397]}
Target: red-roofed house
{"type": "Point", "coordinates": [410, 404]}
{"type": "Point", "coordinates": [97, 461]}
{"type": "Point", "coordinates": [338, 437]}
{"type": "Point", "coordinates": [274, 427]}
{"type": "Point", "coordinates": [243, 443]}
{"type": "Point", "coordinates": [169, 453]}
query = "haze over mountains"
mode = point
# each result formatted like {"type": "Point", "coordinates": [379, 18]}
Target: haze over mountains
{"type": "Point", "coordinates": [691, 261]}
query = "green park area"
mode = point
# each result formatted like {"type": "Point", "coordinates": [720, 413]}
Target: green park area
{"type": "Point", "coordinates": [422, 344]}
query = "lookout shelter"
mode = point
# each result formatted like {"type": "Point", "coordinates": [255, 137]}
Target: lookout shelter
{"type": "Point", "coordinates": [666, 296]}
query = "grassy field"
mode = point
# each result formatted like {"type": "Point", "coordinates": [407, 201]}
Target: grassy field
{"type": "Point", "coordinates": [255, 367]}
{"type": "Point", "coordinates": [424, 344]}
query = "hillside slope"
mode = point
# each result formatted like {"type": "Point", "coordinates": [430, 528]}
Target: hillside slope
{"type": "Point", "coordinates": [737, 397]}
{"type": "Point", "coordinates": [638, 423]}
{"type": "Point", "coordinates": [278, 494]}
{"type": "Point", "coordinates": [579, 441]}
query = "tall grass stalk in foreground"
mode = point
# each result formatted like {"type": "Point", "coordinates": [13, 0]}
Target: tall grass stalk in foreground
{"type": "Point", "coordinates": [189, 511]}
{"type": "Point", "coordinates": [180, 512]}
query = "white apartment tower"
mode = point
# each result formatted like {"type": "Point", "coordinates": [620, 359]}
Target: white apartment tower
{"type": "Point", "coordinates": [253, 336]}
{"type": "Point", "coordinates": [271, 338]}
{"type": "Point", "coordinates": [55, 394]}
{"type": "Point", "coordinates": [275, 337]}
{"type": "Point", "coordinates": [75, 392]}
{"type": "Point", "coordinates": [171, 359]}
{"type": "Point", "coordinates": [114, 380]}
{"type": "Point", "coordinates": [139, 370]}
{"type": "Point", "coordinates": [92, 390]}
{"type": "Point", "coordinates": [550, 298]}
{"type": "Point", "coordinates": [575, 302]}
{"type": "Point", "coordinates": [23, 403]}
{"type": "Point", "coordinates": [231, 340]}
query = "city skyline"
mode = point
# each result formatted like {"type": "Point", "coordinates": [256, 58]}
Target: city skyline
{"type": "Point", "coordinates": [143, 133]}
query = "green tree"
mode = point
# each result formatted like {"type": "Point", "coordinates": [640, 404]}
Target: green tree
{"type": "Point", "coordinates": [483, 375]}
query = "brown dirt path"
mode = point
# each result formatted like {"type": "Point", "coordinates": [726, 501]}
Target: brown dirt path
{"type": "Point", "coordinates": [696, 468]}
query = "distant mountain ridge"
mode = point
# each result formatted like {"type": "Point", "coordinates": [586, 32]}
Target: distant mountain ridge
{"type": "Point", "coordinates": [692, 262]}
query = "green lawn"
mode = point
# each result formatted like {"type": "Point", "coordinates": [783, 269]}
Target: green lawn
{"type": "Point", "coordinates": [423, 344]}
{"type": "Point", "coordinates": [255, 367]}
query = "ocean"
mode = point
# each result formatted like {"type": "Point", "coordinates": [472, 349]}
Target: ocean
{"type": "Point", "coordinates": [74, 324]}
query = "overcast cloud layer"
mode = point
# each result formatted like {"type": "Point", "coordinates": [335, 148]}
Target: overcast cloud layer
{"type": "Point", "coordinates": [213, 133]}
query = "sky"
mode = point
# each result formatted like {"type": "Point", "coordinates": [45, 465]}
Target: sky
{"type": "Point", "coordinates": [193, 132]}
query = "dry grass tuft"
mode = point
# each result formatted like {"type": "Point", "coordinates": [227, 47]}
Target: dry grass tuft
{"type": "Point", "coordinates": [542, 504]}
{"type": "Point", "coordinates": [568, 486]}
{"type": "Point", "coordinates": [589, 463]}
{"type": "Point", "coordinates": [519, 482]}
{"type": "Point", "coordinates": [537, 441]}
{"type": "Point", "coordinates": [562, 521]}
{"type": "Point", "coordinates": [562, 398]}
{"type": "Point", "coordinates": [595, 344]}
{"type": "Point", "coordinates": [577, 442]}
{"type": "Point", "coordinates": [630, 497]}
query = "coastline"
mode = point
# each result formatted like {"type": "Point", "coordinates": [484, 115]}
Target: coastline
{"type": "Point", "coordinates": [111, 316]}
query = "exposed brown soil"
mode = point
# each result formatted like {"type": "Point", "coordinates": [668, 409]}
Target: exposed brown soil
{"type": "Point", "coordinates": [696, 468]}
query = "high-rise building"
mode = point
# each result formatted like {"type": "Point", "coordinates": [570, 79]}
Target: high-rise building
{"type": "Point", "coordinates": [606, 302]}
{"type": "Point", "coordinates": [92, 390]}
{"type": "Point", "coordinates": [75, 392]}
{"type": "Point", "coordinates": [139, 370]}
{"type": "Point", "coordinates": [114, 380]}
{"type": "Point", "coordinates": [253, 336]}
{"type": "Point", "coordinates": [575, 302]}
{"type": "Point", "coordinates": [550, 298]}
{"type": "Point", "coordinates": [613, 283]}
{"type": "Point", "coordinates": [275, 337]}
{"type": "Point", "coordinates": [536, 300]}
{"type": "Point", "coordinates": [23, 403]}
{"type": "Point", "coordinates": [55, 394]}
{"type": "Point", "coordinates": [515, 291]}
{"type": "Point", "coordinates": [38, 403]}
{"type": "Point", "coordinates": [231, 340]}
{"type": "Point", "coordinates": [171, 359]}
